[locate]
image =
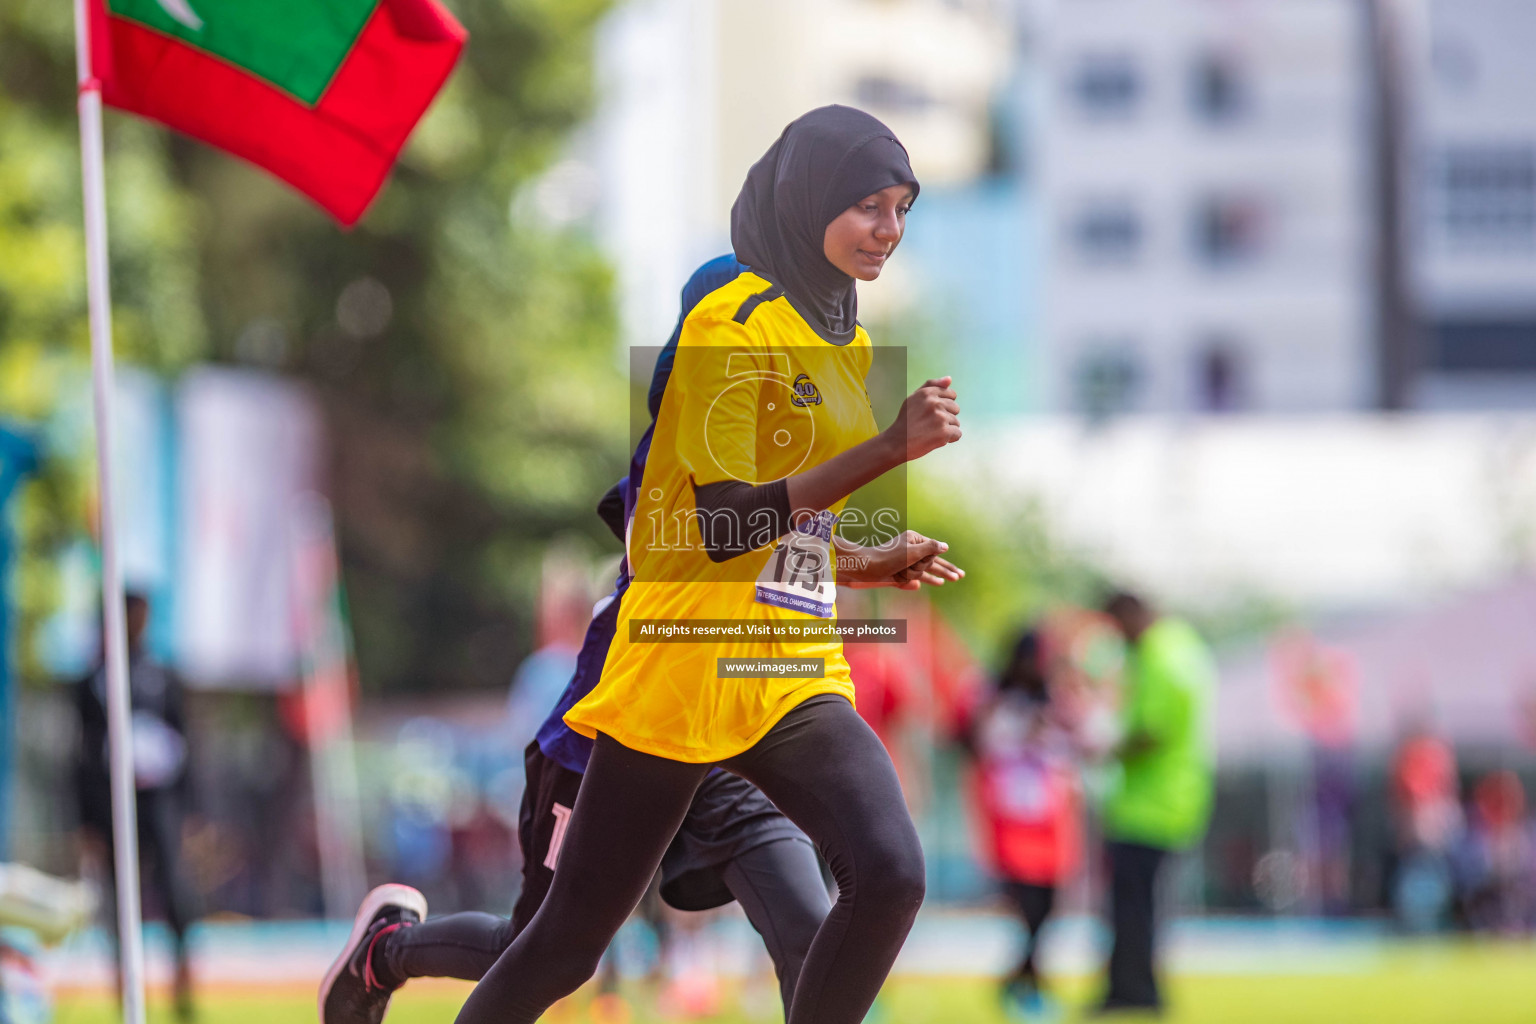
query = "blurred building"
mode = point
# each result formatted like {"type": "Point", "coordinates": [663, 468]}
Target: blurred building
{"type": "Point", "coordinates": [1472, 186]}
{"type": "Point", "coordinates": [693, 91]}
{"type": "Point", "coordinates": [1162, 206]}
{"type": "Point", "coordinates": [1204, 169]}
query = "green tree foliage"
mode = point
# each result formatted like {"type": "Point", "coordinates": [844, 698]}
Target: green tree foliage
{"type": "Point", "coordinates": [463, 351]}
{"type": "Point", "coordinates": [44, 342]}
{"type": "Point", "coordinates": [1016, 568]}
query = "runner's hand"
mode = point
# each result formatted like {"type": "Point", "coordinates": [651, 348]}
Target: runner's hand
{"type": "Point", "coordinates": [907, 561]}
{"type": "Point", "coordinates": [925, 565]}
{"type": "Point", "coordinates": [933, 571]}
{"type": "Point", "coordinates": [929, 419]}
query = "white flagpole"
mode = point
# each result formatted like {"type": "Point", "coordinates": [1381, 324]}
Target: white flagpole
{"type": "Point", "coordinates": [125, 833]}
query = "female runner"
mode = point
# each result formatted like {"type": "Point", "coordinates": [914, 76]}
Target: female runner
{"type": "Point", "coordinates": [764, 431]}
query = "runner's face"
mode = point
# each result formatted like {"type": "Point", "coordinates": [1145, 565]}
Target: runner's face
{"type": "Point", "coordinates": [863, 236]}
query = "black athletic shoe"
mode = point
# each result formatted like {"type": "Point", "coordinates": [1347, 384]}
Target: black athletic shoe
{"type": "Point", "coordinates": [351, 993]}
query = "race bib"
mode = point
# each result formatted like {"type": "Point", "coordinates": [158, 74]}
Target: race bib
{"type": "Point", "coordinates": [798, 575]}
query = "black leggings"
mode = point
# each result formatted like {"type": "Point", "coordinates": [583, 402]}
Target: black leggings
{"type": "Point", "coordinates": [778, 884]}
{"type": "Point", "coordinates": [160, 817]}
{"type": "Point", "coordinates": [824, 769]}
{"type": "Point", "coordinates": [1133, 871]}
{"type": "Point", "coordinates": [1033, 904]}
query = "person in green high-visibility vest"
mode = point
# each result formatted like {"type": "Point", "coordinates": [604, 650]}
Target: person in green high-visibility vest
{"type": "Point", "coordinates": [1160, 801]}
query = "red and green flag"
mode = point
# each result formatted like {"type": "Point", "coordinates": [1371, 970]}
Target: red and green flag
{"type": "Point", "coordinates": [322, 93]}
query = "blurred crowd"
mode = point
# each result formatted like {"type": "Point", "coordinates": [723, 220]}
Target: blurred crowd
{"type": "Point", "coordinates": [1466, 856]}
{"type": "Point", "coordinates": [1083, 766]}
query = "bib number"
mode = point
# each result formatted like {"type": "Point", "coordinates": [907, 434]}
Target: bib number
{"type": "Point", "coordinates": [798, 575]}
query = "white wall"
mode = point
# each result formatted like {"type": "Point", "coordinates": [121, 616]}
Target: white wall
{"type": "Point", "coordinates": [1328, 511]}
{"type": "Point", "coordinates": [1298, 310]}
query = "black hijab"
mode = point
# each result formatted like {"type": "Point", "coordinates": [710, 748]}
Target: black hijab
{"type": "Point", "coordinates": [823, 163]}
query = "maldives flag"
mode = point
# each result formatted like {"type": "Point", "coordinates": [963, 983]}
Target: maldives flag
{"type": "Point", "coordinates": [322, 93]}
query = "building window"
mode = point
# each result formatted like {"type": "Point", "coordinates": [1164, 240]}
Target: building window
{"type": "Point", "coordinates": [1219, 88]}
{"type": "Point", "coordinates": [1106, 85]}
{"type": "Point", "coordinates": [1484, 345]}
{"type": "Point", "coordinates": [1230, 230]}
{"type": "Point", "coordinates": [887, 93]}
{"type": "Point", "coordinates": [1487, 195]}
{"type": "Point", "coordinates": [1221, 370]}
{"type": "Point", "coordinates": [1107, 232]}
{"type": "Point", "coordinates": [1108, 380]}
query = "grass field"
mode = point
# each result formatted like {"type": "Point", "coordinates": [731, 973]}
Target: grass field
{"type": "Point", "coordinates": [1449, 983]}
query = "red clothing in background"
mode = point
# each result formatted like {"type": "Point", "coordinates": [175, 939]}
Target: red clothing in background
{"type": "Point", "coordinates": [1027, 792]}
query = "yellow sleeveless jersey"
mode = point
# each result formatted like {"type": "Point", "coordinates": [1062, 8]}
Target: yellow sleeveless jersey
{"type": "Point", "coordinates": [755, 395]}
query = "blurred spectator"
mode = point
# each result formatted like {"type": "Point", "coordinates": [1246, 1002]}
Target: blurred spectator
{"type": "Point", "coordinates": [882, 680]}
{"type": "Point", "coordinates": [1161, 801]}
{"type": "Point", "coordinates": [1333, 804]}
{"type": "Point", "coordinates": [1498, 858]}
{"type": "Point", "coordinates": [1318, 688]}
{"type": "Point", "coordinates": [565, 608]}
{"type": "Point", "coordinates": [912, 692]}
{"type": "Point", "coordinates": [160, 777]}
{"type": "Point", "coordinates": [536, 686]}
{"type": "Point", "coordinates": [484, 851]}
{"type": "Point", "coordinates": [882, 675]}
{"type": "Point", "coordinates": [1429, 822]}
{"type": "Point", "coordinates": [1030, 808]}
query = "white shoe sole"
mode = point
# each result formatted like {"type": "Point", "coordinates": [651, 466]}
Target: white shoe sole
{"type": "Point", "coordinates": [384, 896]}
